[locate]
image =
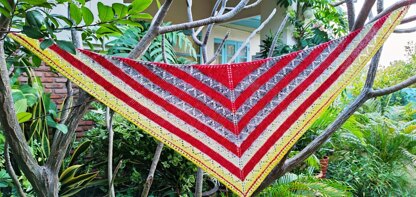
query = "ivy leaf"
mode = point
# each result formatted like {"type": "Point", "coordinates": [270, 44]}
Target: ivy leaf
{"type": "Point", "coordinates": [120, 10]}
{"type": "Point", "coordinates": [138, 6]}
{"type": "Point", "coordinates": [23, 117]}
{"type": "Point", "coordinates": [46, 43]}
{"type": "Point", "coordinates": [87, 15]}
{"type": "Point", "coordinates": [105, 13]}
{"type": "Point", "coordinates": [66, 45]}
{"type": "Point", "coordinates": [75, 13]}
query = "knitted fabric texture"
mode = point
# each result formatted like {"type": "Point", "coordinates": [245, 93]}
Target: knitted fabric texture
{"type": "Point", "coordinates": [235, 121]}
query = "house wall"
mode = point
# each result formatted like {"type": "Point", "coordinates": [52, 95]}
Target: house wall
{"type": "Point", "coordinates": [235, 35]}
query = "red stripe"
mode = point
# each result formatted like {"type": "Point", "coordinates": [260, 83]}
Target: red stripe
{"type": "Point", "coordinates": [197, 84]}
{"type": "Point", "coordinates": [197, 104]}
{"type": "Point", "coordinates": [253, 87]}
{"type": "Point", "coordinates": [310, 100]}
{"type": "Point", "coordinates": [279, 86]}
{"type": "Point", "coordinates": [298, 90]}
{"type": "Point", "coordinates": [143, 110]}
{"type": "Point", "coordinates": [161, 102]}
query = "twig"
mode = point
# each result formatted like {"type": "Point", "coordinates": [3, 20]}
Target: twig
{"type": "Point", "coordinates": [408, 30]}
{"type": "Point", "coordinates": [338, 3]}
{"type": "Point", "coordinates": [155, 161]}
{"type": "Point", "coordinates": [408, 19]}
{"type": "Point", "coordinates": [116, 171]}
{"type": "Point", "coordinates": [277, 35]}
{"type": "Point", "coordinates": [395, 88]}
{"type": "Point", "coordinates": [9, 169]}
{"type": "Point", "coordinates": [109, 123]}
{"type": "Point", "coordinates": [253, 4]}
{"type": "Point", "coordinates": [251, 36]}
{"type": "Point", "coordinates": [164, 49]}
{"type": "Point", "coordinates": [219, 49]}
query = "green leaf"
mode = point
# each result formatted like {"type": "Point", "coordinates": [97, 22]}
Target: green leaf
{"type": "Point", "coordinates": [131, 23]}
{"type": "Point", "coordinates": [87, 15]}
{"type": "Point", "coordinates": [66, 45]}
{"type": "Point", "coordinates": [34, 2]}
{"type": "Point", "coordinates": [65, 19]}
{"type": "Point", "coordinates": [120, 10]}
{"type": "Point", "coordinates": [46, 43]}
{"type": "Point", "coordinates": [23, 117]}
{"type": "Point", "coordinates": [142, 16]}
{"type": "Point", "coordinates": [105, 13]}
{"type": "Point", "coordinates": [138, 6]}
{"type": "Point", "coordinates": [32, 32]}
{"type": "Point", "coordinates": [5, 12]}
{"type": "Point", "coordinates": [158, 4]}
{"type": "Point", "coordinates": [68, 173]}
{"type": "Point", "coordinates": [34, 18]}
{"type": "Point", "coordinates": [63, 128]}
{"type": "Point", "coordinates": [75, 13]}
{"type": "Point", "coordinates": [20, 106]}
{"type": "Point", "coordinates": [6, 5]}
{"type": "Point", "coordinates": [78, 151]}
{"type": "Point", "coordinates": [17, 95]}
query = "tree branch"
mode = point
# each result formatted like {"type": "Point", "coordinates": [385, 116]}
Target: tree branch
{"type": "Point", "coordinates": [408, 30]}
{"type": "Point", "coordinates": [219, 49]}
{"type": "Point", "coordinates": [152, 32]}
{"type": "Point", "coordinates": [350, 14]}
{"type": "Point", "coordinates": [336, 4]}
{"type": "Point", "coordinates": [395, 88]}
{"type": "Point", "coordinates": [252, 35]}
{"type": "Point", "coordinates": [155, 161]}
{"type": "Point", "coordinates": [9, 169]}
{"type": "Point", "coordinates": [277, 35]}
{"type": "Point", "coordinates": [254, 4]}
{"type": "Point", "coordinates": [393, 7]}
{"type": "Point", "coordinates": [205, 21]}
{"type": "Point", "coordinates": [109, 123]}
{"type": "Point", "coordinates": [363, 15]}
{"type": "Point", "coordinates": [408, 19]}
{"type": "Point", "coordinates": [199, 182]}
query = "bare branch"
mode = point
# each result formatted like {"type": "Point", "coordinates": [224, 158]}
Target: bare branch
{"type": "Point", "coordinates": [10, 171]}
{"type": "Point", "coordinates": [408, 19]}
{"type": "Point", "coordinates": [393, 7]}
{"type": "Point", "coordinates": [218, 51]}
{"type": "Point", "coordinates": [408, 30]}
{"type": "Point", "coordinates": [252, 35]}
{"type": "Point", "coordinates": [152, 32]}
{"type": "Point", "coordinates": [350, 13]}
{"type": "Point", "coordinates": [155, 161]}
{"type": "Point", "coordinates": [190, 19]}
{"type": "Point", "coordinates": [363, 15]}
{"type": "Point", "coordinates": [336, 4]}
{"type": "Point", "coordinates": [164, 49]}
{"type": "Point", "coordinates": [395, 88]}
{"type": "Point", "coordinates": [199, 182]}
{"type": "Point", "coordinates": [254, 4]}
{"type": "Point", "coordinates": [116, 171]}
{"type": "Point", "coordinates": [372, 71]}
{"type": "Point", "coordinates": [277, 35]}
{"type": "Point", "coordinates": [206, 21]}
{"type": "Point", "coordinates": [109, 123]}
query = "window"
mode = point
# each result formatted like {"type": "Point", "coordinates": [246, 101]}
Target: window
{"type": "Point", "coordinates": [229, 49]}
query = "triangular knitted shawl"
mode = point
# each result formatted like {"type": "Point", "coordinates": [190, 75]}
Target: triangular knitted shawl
{"type": "Point", "coordinates": [235, 121]}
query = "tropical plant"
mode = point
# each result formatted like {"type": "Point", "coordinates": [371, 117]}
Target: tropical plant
{"type": "Point", "coordinates": [305, 185]}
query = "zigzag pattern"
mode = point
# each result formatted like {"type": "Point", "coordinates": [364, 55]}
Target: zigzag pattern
{"type": "Point", "coordinates": [235, 121]}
